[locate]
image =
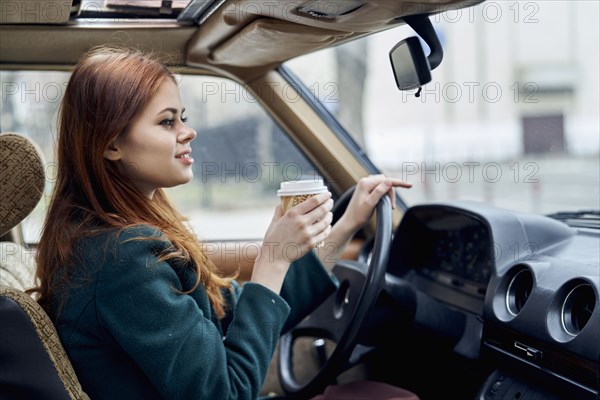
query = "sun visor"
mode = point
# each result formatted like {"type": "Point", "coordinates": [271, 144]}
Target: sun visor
{"type": "Point", "coordinates": [268, 41]}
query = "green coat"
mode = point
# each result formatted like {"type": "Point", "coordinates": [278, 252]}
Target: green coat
{"type": "Point", "coordinates": [131, 336]}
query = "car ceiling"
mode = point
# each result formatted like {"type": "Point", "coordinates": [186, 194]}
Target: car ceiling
{"type": "Point", "coordinates": [242, 38]}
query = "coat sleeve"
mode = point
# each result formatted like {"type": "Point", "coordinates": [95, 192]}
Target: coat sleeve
{"type": "Point", "coordinates": [172, 339]}
{"type": "Point", "coordinates": [306, 285]}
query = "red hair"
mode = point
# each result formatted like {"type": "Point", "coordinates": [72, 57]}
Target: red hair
{"type": "Point", "coordinates": [106, 91]}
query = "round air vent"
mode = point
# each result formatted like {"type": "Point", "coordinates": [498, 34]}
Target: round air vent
{"type": "Point", "coordinates": [577, 308]}
{"type": "Point", "coordinates": [518, 291]}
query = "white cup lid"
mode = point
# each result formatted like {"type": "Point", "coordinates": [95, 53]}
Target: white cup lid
{"type": "Point", "coordinates": [293, 188]}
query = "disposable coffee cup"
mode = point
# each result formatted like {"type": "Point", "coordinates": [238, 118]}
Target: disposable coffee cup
{"type": "Point", "coordinates": [295, 192]}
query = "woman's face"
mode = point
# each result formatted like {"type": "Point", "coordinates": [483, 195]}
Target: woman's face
{"type": "Point", "coordinates": [155, 152]}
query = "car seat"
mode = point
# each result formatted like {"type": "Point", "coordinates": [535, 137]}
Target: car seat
{"type": "Point", "coordinates": [33, 362]}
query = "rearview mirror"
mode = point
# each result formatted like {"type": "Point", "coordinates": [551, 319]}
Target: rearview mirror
{"type": "Point", "coordinates": [411, 68]}
{"type": "Point", "coordinates": [410, 65]}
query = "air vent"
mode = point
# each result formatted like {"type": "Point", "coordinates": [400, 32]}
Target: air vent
{"type": "Point", "coordinates": [577, 308]}
{"type": "Point", "coordinates": [518, 291]}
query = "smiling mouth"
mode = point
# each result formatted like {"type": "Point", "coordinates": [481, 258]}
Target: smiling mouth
{"type": "Point", "coordinates": [186, 155]}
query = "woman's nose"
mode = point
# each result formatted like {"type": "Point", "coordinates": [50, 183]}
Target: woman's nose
{"type": "Point", "coordinates": [187, 134]}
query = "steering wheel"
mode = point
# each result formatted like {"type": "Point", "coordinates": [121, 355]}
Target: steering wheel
{"type": "Point", "coordinates": [342, 314]}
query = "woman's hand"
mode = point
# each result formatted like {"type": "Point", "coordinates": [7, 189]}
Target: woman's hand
{"type": "Point", "coordinates": [290, 236]}
{"type": "Point", "coordinates": [366, 195]}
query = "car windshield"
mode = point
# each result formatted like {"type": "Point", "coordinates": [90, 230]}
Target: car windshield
{"type": "Point", "coordinates": [511, 116]}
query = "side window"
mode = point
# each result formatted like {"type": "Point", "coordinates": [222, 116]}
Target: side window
{"type": "Point", "coordinates": [241, 155]}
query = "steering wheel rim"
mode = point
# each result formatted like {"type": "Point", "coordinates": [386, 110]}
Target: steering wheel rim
{"type": "Point", "coordinates": [372, 286]}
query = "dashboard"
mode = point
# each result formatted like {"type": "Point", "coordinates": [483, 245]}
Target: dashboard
{"type": "Point", "coordinates": [528, 285]}
{"type": "Point", "coordinates": [454, 249]}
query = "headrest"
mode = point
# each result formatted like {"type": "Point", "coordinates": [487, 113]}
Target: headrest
{"type": "Point", "coordinates": [22, 179]}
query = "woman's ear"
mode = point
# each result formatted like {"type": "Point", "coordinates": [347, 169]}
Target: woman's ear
{"type": "Point", "coordinates": [112, 152]}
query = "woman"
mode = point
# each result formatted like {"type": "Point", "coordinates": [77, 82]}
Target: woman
{"type": "Point", "coordinates": [141, 311]}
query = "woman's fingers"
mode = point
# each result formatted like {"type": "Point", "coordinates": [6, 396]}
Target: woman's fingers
{"type": "Point", "coordinates": [378, 192]}
{"type": "Point", "coordinates": [313, 208]}
{"type": "Point", "coordinates": [378, 185]}
{"type": "Point", "coordinates": [394, 182]}
{"type": "Point", "coordinates": [309, 222]}
{"type": "Point", "coordinates": [317, 223]}
{"type": "Point", "coordinates": [309, 204]}
{"type": "Point", "coordinates": [318, 213]}
{"type": "Point", "coordinates": [320, 238]}
{"type": "Point", "coordinates": [320, 225]}
{"type": "Point", "coordinates": [399, 182]}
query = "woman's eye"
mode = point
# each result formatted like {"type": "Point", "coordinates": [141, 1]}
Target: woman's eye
{"type": "Point", "coordinates": [184, 119]}
{"type": "Point", "coordinates": [167, 122]}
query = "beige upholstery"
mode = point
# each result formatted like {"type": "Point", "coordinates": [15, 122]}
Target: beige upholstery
{"type": "Point", "coordinates": [32, 358]}
{"type": "Point", "coordinates": [22, 179]}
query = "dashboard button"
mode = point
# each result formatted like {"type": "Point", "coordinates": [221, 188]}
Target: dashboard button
{"type": "Point", "coordinates": [528, 352]}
